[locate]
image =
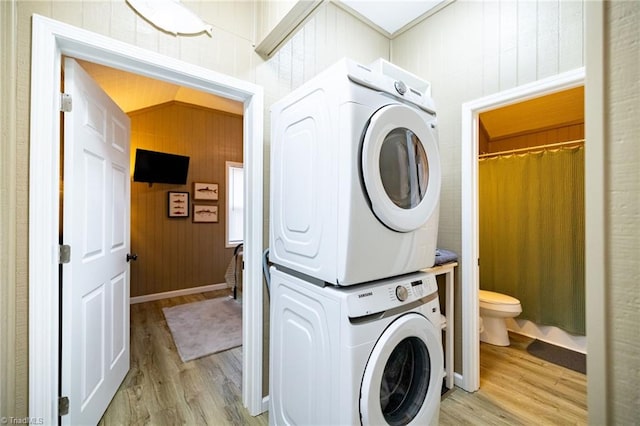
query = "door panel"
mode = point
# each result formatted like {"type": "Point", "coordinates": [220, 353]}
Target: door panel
{"type": "Point", "coordinates": [401, 167]}
{"type": "Point", "coordinates": [95, 284]}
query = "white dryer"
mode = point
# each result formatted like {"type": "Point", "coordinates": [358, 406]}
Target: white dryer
{"type": "Point", "coordinates": [368, 354]}
{"type": "Point", "coordinates": [355, 175]}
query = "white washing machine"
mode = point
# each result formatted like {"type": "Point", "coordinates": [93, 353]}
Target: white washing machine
{"type": "Point", "coordinates": [368, 354]}
{"type": "Point", "coordinates": [355, 175]}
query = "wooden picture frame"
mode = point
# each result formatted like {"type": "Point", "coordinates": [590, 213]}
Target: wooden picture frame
{"type": "Point", "coordinates": [205, 191]}
{"type": "Point", "coordinates": [177, 204]}
{"type": "Point", "coordinates": [205, 213]}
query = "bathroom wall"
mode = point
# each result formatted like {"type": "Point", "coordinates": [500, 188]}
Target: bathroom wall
{"type": "Point", "coordinates": [549, 119]}
{"type": "Point", "coordinates": [558, 134]}
{"type": "Point", "coordinates": [176, 253]}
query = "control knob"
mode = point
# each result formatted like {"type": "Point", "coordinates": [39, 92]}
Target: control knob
{"type": "Point", "coordinates": [401, 293]}
{"type": "Point", "coordinates": [401, 88]}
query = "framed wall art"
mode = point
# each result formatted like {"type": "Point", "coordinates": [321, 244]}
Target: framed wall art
{"type": "Point", "coordinates": [205, 191]}
{"type": "Point", "coordinates": [178, 204]}
{"type": "Point", "coordinates": [204, 213]}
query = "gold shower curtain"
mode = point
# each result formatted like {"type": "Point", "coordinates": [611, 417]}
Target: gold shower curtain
{"type": "Point", "coordinates": [532, 234]}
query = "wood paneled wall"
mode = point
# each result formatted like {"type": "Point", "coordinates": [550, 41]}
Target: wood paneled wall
{"type": "Point", "coordinates": [566, 133]}
{"type": "Point", "coordinates": [175, 253]}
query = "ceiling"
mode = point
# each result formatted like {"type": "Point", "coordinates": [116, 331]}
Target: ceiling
{"type": "Point", "coordinates": [546, 112]}
{"type": "Point", "coordinates": [132, 92]}
{"type": "Point", "coordinates": [393, 16]}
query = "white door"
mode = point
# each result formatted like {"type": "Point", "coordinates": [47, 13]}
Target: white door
{"type": "Point", "coordinates": [95, 223]}
{"type": "Point", "coordinates": [401, 166]}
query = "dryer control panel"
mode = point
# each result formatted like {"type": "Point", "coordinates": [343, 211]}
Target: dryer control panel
{"type": "Point", "coordinates": [383, 295]}
{"type": "Point", "coordinates": [400, 84]}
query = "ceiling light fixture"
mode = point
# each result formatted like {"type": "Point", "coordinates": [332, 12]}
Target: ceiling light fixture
{"type": "Point", "coordinates": [171, 16]}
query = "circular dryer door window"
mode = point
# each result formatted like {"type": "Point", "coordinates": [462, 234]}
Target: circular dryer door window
{"type": "Point", "coordinates": [403, 377]}
{"type": "Point", "coordinates": [401, 167]}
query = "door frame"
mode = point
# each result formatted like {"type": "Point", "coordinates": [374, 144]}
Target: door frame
{"type": "Point", "coordinates": [469, 256]}
{"type": "Point", "coordinates": [50, 41]}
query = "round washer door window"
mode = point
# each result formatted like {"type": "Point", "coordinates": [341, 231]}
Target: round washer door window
{"type": "Point", "coordinates": [403, 376]}
{"type": "Point", "coordinates": [401, 167]}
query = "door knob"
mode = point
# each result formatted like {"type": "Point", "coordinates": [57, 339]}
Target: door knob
{"type": "Point", "coordinates": [131, 256]}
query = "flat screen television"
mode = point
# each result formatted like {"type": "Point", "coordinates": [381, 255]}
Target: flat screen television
{"type": "Point", "coordinates": [160, 167]}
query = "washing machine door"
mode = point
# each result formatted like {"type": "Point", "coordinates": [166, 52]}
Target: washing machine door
{"type": "Point", "coordinates": [401, 166]}
{"type": "Point", "coordinates": [403, 377]}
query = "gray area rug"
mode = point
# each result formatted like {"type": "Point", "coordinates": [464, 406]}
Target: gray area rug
{"type": "Point", "coordinates": [206, 327]}
{"type": "Point", "coordinates": [575, 361]}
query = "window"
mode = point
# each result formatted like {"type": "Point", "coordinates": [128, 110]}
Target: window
{"type": "Point", "coordinates": [235, 203]}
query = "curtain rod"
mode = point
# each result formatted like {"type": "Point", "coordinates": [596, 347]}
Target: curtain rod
{"type": "Point", "coordinates": [532, 148]}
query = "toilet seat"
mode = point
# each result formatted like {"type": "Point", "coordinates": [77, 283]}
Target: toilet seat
{"type": "Point", "coordinates": [491, 300]}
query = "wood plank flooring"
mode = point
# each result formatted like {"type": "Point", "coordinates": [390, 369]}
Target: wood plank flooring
{"type": "Point", "coordinates": [515, 387]}
{"type": "Point", "coordinates": [162, 390]}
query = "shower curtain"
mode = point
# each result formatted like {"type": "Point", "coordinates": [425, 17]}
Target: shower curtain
{"type": "Point", "coordinates": [531, 209]}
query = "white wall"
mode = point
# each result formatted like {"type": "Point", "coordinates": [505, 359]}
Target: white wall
{"type": "Point", "coordinates": [473, 49]}
{"type": "Point", "coordinates": [269, 14]}
{"type": "Point", "coordinates": [331, 34]}
{"type": "Point", "coordinates": [622, 266]}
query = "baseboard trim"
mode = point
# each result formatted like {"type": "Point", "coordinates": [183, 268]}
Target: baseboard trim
{"type": "Point", "coordinates": [174, 293]}
{"type": "Point", "coordinates": [553, 335]}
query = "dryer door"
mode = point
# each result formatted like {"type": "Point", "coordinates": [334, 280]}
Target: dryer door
{"type": "Point", "coordinates": [401, 166]}
{"type": "Point", "coordinates": [403, 377]}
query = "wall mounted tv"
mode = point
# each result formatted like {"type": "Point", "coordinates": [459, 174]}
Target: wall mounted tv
{"type": "Point", "coordinates": [160, 167]}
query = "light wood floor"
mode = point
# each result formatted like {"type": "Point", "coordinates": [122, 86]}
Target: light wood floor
{"type": "Point", "coordinates": [516, 388]}
{"type": "Point", "coordinates": [162, 390]}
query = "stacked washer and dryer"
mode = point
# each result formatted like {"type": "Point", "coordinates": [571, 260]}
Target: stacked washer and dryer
{"type": "Point", "coordinates": [355, 327]}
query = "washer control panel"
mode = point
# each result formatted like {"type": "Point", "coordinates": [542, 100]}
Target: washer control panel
{"type": "Point", "coordinates": [382, 295]}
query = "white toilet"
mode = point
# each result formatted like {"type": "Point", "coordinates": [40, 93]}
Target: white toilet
{"type": "Point", "coordinates": [494, 308]}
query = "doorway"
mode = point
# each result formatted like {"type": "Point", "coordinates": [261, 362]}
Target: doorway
{"type": "Point", "coordinates": [469, 207]}
{"type": "Point", "coordinates": [177, 254]}
{"type": "Point", "coordinates": [531, 214]}
{"type": "Point", "coordinates": [52, 40]}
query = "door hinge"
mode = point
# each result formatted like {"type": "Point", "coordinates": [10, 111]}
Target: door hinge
{"type": "Point", "coordinates": [63, 406]}
{"type": "Point", "coordinates": [65, 102]}
{"type": "Point", "coordinates": [64, 254]}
